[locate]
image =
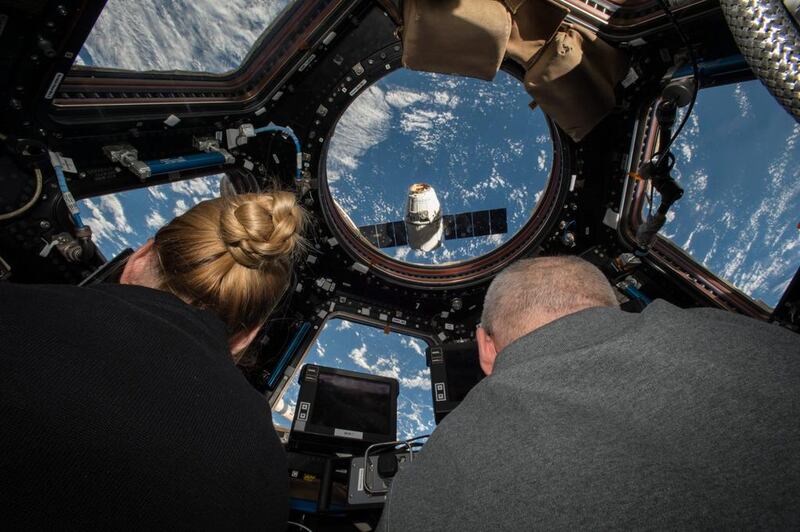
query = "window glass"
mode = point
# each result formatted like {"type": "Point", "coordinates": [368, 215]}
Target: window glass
{"type": "Point", "coordinates": [128, 219]}
{"type": "Point", "coordinates": [478, 144]}
{"type": "Point", "coordinates": [355, 347]}
{"type": "Point", "coordinates": [191, 35]}
{"type": "Point", "coordinates": [738, 160]}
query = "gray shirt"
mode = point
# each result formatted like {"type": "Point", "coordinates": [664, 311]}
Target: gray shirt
{"type": "Point", "coordinates": [602, 419]}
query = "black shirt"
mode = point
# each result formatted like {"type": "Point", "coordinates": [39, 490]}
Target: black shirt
{"type": "Point", "coordinates": [121, 408]}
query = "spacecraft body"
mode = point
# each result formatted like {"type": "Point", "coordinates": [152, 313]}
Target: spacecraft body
{"type": "Point", "coordinates": [424, 227]}
{"type": "Point", "coordinates": [423, 218]}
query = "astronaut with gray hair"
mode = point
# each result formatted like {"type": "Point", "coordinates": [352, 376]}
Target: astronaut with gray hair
{"type": "Point", "coordinates": [595, 418]}
{"type": "Point", "coordinates": [531, 293]}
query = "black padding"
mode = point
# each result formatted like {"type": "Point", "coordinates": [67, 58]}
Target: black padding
{"type": "Point", "coordinates": [464, 227]}
{"type": "Point", "coordinates": [499, 224]}
{"type": "Point", "coordinates": [481, 223]}
{"type": "Point", "coordinates": [449, 224]}
{"type": "Point", "coordinates": [400, 236]}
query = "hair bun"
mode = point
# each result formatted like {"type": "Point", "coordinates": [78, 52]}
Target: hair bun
{"type": "Point", "coordinates": [257, 228]}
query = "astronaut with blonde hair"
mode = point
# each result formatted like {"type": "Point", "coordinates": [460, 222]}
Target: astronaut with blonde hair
{"type": "Point", "coordinates": [121, 405]}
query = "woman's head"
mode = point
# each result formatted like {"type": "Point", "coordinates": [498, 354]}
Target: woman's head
{"type": "Point", "coordinates": [231, 255]}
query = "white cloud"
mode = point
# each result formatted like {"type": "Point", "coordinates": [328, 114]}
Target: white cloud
{"type": "Point", "coordinates": [426, 126]}
{"type": "Point", "coordinates": [180, 207]}
{"type": "Point", "coordinates": [401, 253]}
{"type": "Point", "coordinates": [112, 205]}
{"type": "Point", "coordinates": [421, 380]}
{"type": "Point", "coordinates": [403, 98]}
{"type": "Point", "coordinates": [383, 366]}
{"type": "Point", "coordinates": [108, 221]}
{"type": "Point", "coordinates": [363, 125]}
{"type": "Point", "coordinates": [178, 34]}
{"type": "Point", "coordinates": [541, 160]}
{"type": "Point", "coordinates": [414, 345]}
{"type": "Point", "coordinates": [158, 192]}
{"type": "Point", "coordinates": [410, 419]}
{"type": "Point", "coordinates": [192, 187]}
{"type": "Point", "coordinates": [742, 100]}
{"type": "Point", "coordinates": [687, 151]}
{"type": "Point", "coordinates": [344, 325]}
{"type": "Point", "coordinates": [446, 99]}
{"type": "Point", "coordinates": [516, 147]}
{"type": "Point", "coordinates": [154, 220]}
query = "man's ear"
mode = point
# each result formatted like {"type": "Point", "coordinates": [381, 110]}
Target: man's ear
{"type": "Point", "coordinates": [138, 269]}
{"type": "Point", "coordinates": [239, 341]}
{"type": "Point", "coordinates": [487, 352]}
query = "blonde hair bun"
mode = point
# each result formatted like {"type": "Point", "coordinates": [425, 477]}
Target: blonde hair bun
{"type": "Point", "coordinates": [261, 227]}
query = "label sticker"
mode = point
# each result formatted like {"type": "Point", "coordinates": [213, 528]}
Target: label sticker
{"type": "Point", "coordinates": [441, 395]}
{"type": "Point", "coordinates": [54, 86]}
{"type": "Point", "coordinates": [304, 408]}
{"type": "Point", "coordinates": [307, 62]}
{"type": "Point", "coordinates": [360, 479]}
{"type": "Point", "coordinates": [358, 87]}
{"type": "Point", "coordinates": [68, 165]}
{"type": "Point", "coordinates": [344, 433]}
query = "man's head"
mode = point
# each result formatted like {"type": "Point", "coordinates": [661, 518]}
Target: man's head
{"type": "Point", "coordinates": [533, 292]}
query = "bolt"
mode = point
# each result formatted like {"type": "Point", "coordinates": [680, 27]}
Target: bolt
{"type": "Point", "coordinates": [45, 225]}
{"type": "Point", "coordinates": [15, 104]}
{"type": "Point", "coordinates": [61, 10]}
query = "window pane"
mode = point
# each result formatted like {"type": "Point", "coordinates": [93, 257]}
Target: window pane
{"type": "Point", "coordinates": [738, 160]}
{"type": "Point", "coordinates": [478, 144]}
{"type": "Point", "coordinates": [355, 347]}
{"type": "Point", "coordinates": [192, 35]}
{"type": "Point", "coordinates": [128, 219]}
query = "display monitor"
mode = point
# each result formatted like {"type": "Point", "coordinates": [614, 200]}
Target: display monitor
{"type": "Point", "coordinates": [455, 370]}
{"type": "Point", "coordinates": [343, 410]}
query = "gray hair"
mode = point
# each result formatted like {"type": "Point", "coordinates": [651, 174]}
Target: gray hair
{"type": "Point", "coordinates": [532, 292]}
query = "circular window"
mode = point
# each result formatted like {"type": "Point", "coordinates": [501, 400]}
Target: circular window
{"type": "Point", "coordinates": [436, 170]}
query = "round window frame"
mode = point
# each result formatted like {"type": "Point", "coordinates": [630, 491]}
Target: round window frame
{"type": "Point", "coordinates": [466, 272]}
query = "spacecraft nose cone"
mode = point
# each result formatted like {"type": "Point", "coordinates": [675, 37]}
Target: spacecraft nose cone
{"type": "Point", "coordinates": [423, 218]}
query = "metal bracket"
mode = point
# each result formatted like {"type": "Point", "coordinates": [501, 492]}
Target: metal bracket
{"type": "Point", "coordinates": [211, 144]}
{"type": "Point", "coordinates": [238, 137]}
{"type": "Point", "coordinates": [127, 156]}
